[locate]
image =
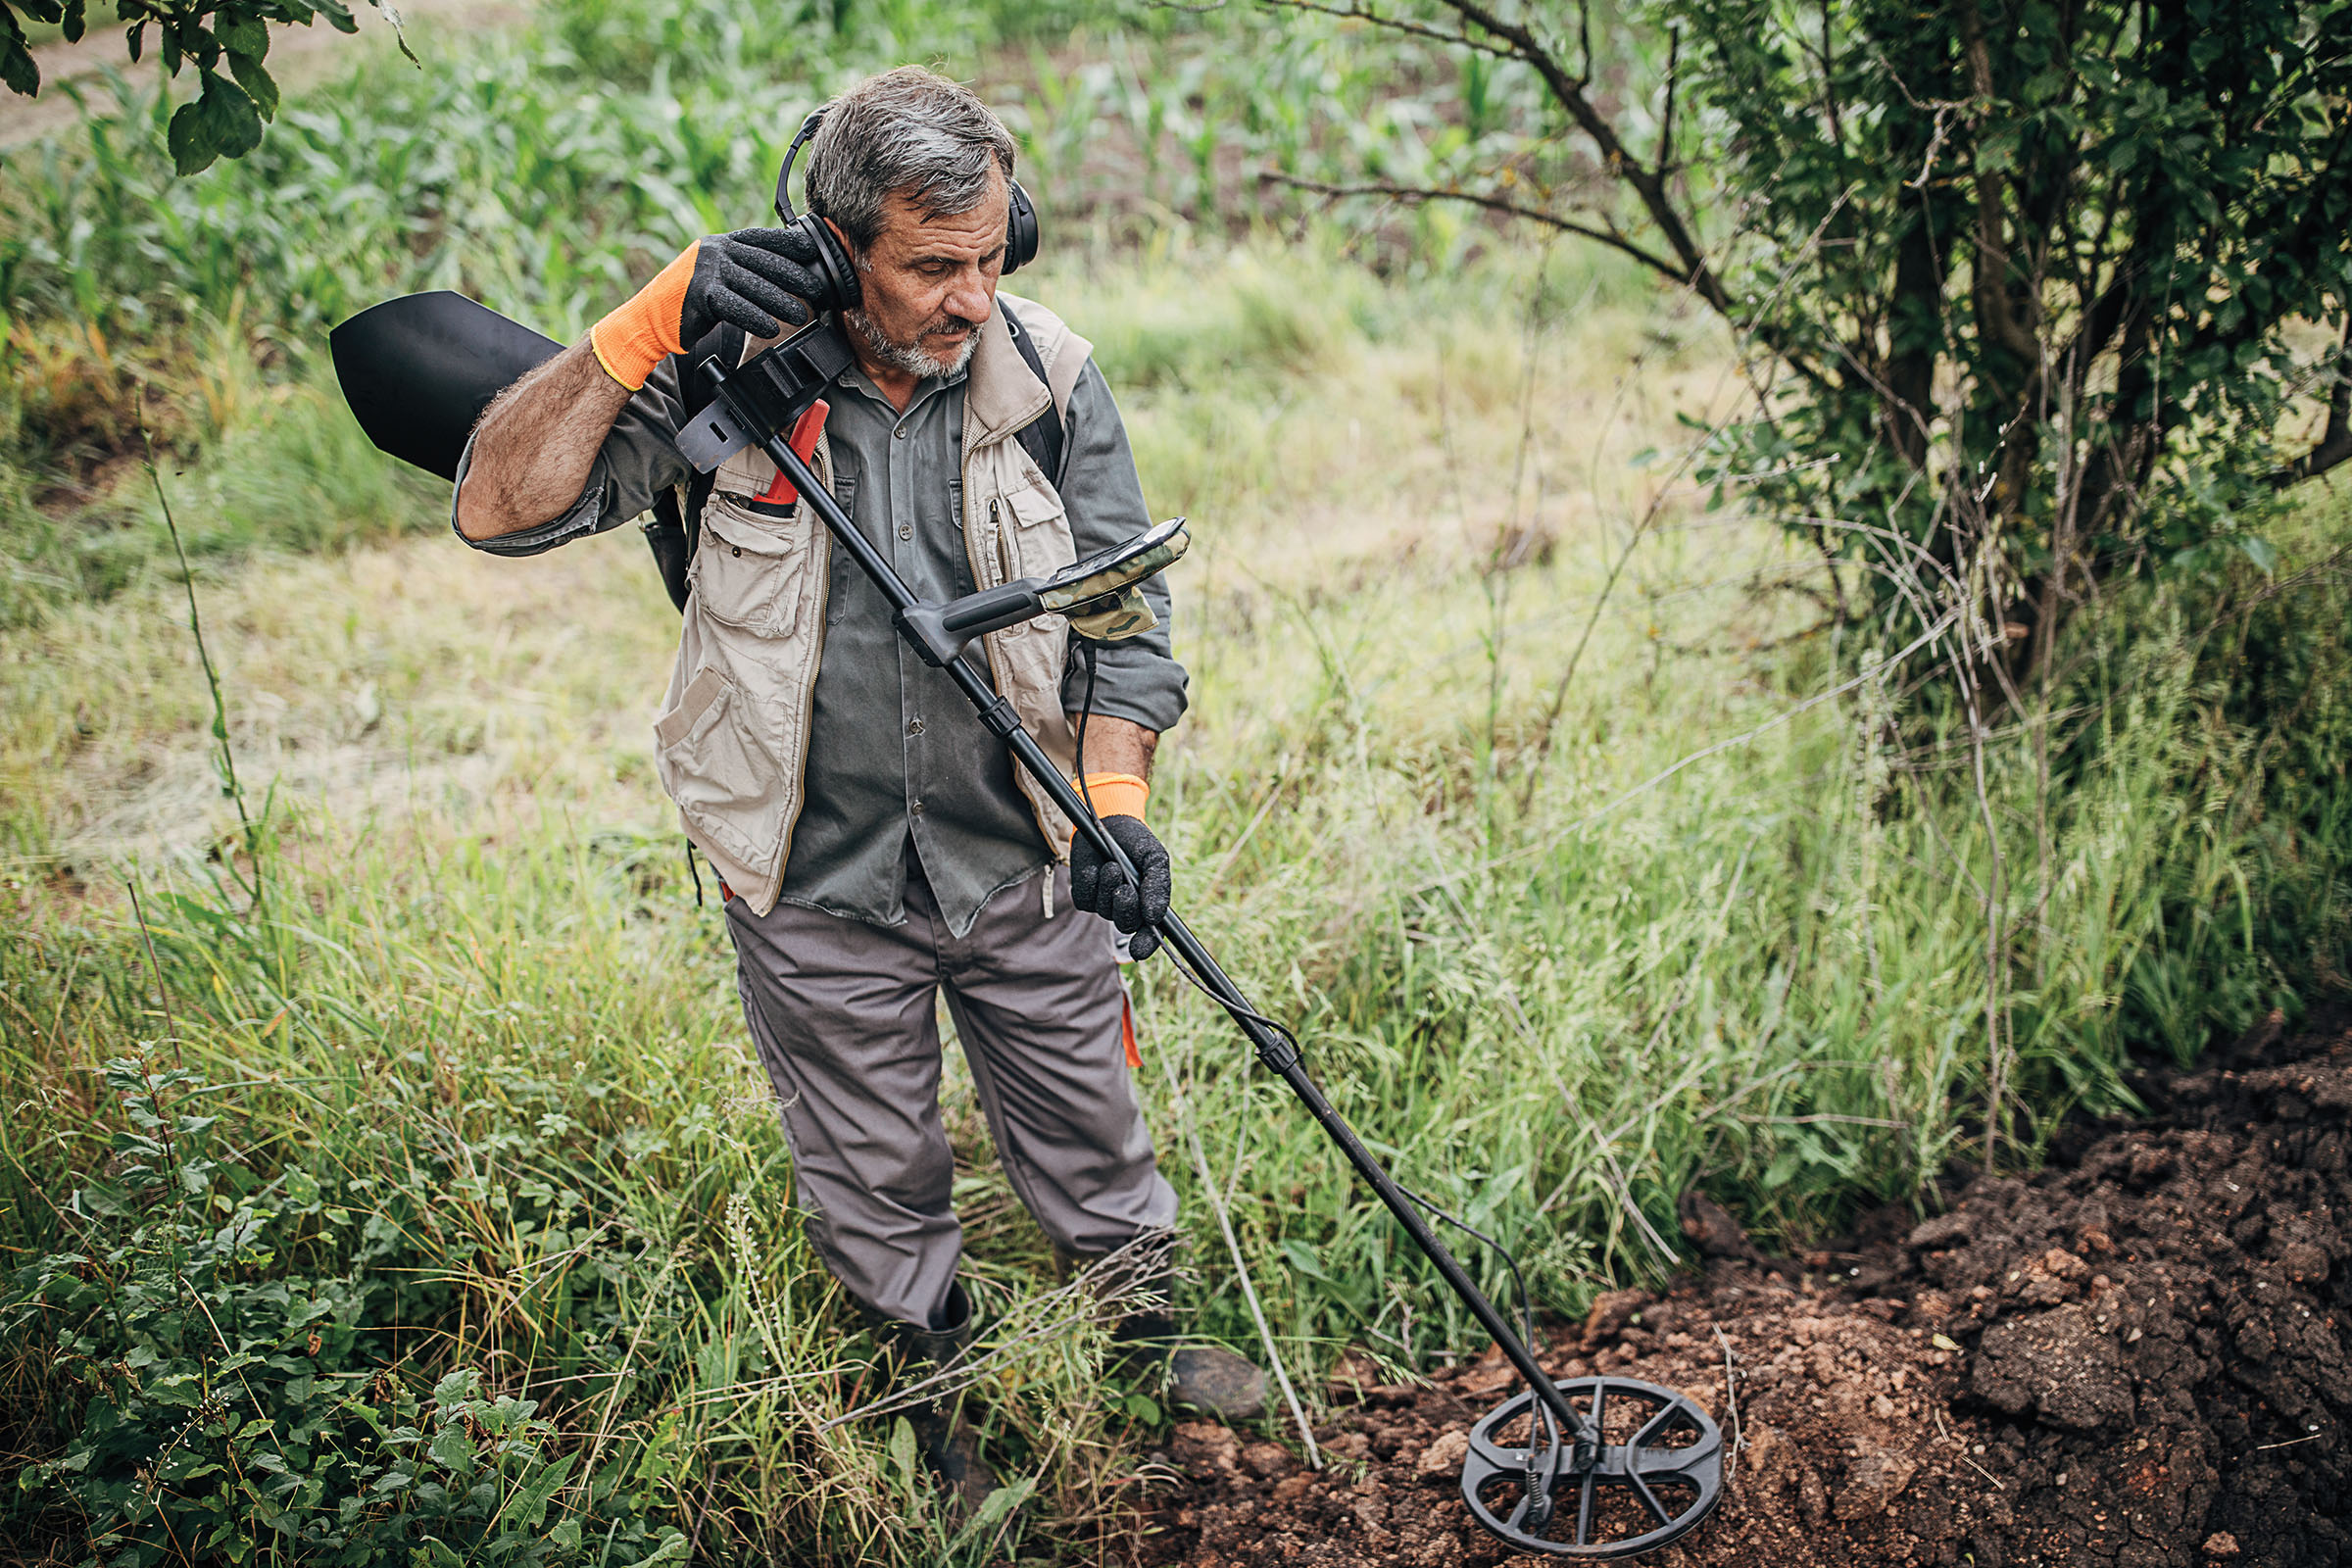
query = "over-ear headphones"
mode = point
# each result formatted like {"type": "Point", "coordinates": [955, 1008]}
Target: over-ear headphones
{"type": "Point", "coordinates": [833, 262]}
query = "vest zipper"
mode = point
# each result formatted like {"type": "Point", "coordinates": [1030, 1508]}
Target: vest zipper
{"type": "Point", "coordinates": [996, 535]}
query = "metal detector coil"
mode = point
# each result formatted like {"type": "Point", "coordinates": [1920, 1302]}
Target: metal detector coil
{"type": "Point", "coordinates": [1582, 1496]}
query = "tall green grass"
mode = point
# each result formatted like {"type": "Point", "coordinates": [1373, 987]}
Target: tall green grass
{"type": "Point", "coordinates": [486, 1016]}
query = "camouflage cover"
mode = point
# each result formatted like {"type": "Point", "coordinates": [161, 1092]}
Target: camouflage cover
{"type": "Point", "coordinates": [1108, 606]}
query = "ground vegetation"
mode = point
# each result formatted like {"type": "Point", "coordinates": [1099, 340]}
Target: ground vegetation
{"type": "Point", "coordinates": [386, 1171]}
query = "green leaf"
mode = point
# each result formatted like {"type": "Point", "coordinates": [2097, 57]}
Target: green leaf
{"type": "Point", "coordinates": [452, 1449]}
{"type": "Point", "coordinates": [902, 1451]}
{"type": "Point", "coordinates": [2259, 551]}
{"type": "Point", "coordinates": [17, 68]}
{"type": "Point", "coordinates": [992, 1513]}
{"type": "Point", "coordinates": [243, 35]}
{"type": "Point", "coordinates": [230, 116]}
{"type": "Point", "coordinates": [1302, 1259]}
{"type": "Point", "coordinates": [190, 141]}
{"type": "Point", "coordinates": [256, 81]}
{"type": "Point", "coordinates": [530, 1503]}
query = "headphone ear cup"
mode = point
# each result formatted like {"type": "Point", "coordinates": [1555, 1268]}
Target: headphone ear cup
{"type": "Point", "coordinates": [1020, 230]}
{"type": "Point", "coordinates": [833, 265]}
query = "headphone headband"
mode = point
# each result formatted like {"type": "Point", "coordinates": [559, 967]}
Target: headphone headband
{"type": "Point", "coordinates": [807, 134]}
{"type": "Point", "coordinates": [833, 256]}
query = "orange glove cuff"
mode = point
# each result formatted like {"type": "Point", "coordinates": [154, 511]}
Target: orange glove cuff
{"type": "Point", "coordinates": [633, 339]}
{"type": "Point", "coordinates": [1117, 794]}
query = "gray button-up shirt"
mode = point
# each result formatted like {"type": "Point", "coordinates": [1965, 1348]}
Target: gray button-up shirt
{"type": "Point", "coordinates": [894, 748]}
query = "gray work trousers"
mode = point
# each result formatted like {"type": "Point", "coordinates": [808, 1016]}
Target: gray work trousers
{"type": "Point", "coordinates": [845, 1018]}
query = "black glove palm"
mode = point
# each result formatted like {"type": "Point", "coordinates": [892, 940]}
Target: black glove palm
{"type": "Point", "coordinates": [1101, 886]}
{"type": "Point", "coordinates": [756, 279]}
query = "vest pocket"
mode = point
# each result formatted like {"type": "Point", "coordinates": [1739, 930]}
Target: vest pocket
{"type": "Point", "coordinates": [709, 763]}
{"type": "Point", "coordinates": [1042, 529]}
{"type": "Point", "coordinates": [748, 565]}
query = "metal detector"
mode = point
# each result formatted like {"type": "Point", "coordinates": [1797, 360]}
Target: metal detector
{"type": "Point", "coordinates": [1591, 1468]}
{"type": "Point", "coordinates": [1643, 1464]}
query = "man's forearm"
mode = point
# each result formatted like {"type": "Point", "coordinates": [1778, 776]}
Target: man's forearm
{"type": "Point", "coordinates": [536, 445]}
{"type": "Point", "coordinates": [1118, 746]}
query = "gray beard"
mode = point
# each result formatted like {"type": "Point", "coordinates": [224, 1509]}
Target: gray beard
{"type": "Point", "coordinates": [906, 357]}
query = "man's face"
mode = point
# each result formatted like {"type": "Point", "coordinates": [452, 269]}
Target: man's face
{"type": "Point", "coordinates": [929, 284]}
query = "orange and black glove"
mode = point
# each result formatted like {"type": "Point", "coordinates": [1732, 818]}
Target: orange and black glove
{"type": "Point", "coordinates": [755, 279]}
{"type": "Point", "coordinates": [1100, 887]}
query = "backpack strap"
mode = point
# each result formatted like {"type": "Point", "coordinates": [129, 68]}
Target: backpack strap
{"type": "Point", "coordinates": [675, 526]}
{"type": "Point", "coordinates": [672, 543]}
{"type": "Point", "coordinates": [1042, 437]}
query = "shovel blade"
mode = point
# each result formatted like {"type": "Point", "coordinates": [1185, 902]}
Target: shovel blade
{"type": "Point", "coordinates": [419, 370]}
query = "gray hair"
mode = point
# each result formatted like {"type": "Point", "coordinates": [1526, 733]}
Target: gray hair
{"type": "Point", "coordinates": [909, 131]}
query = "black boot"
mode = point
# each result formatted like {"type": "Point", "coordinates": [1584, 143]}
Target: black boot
{"type": "Point", "coordinates": [1209, 1378]}
{"type": "Point", "coordinates": [949, 1445]}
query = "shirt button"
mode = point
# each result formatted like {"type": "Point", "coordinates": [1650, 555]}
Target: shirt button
{"type": "Point", "coordinates": [905, 530]}
{"type": "Point", "coordinates": [899, 433]}
{"type": "Point", "coordinates": [914, 808]}
{"type": "Point", "coordinates": [914, 726]}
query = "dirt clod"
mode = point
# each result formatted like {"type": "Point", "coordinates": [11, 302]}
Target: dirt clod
{"type": "Point", "coordinates": [1442, 1460]}
{"type": "Point", "coordinates": [2058, 1365]}
{"type": "Point", "coordinates": [2138, 1357]}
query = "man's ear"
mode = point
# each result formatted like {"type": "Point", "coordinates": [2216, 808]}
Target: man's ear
{"type": "Point", "coordinates": [856, 259]}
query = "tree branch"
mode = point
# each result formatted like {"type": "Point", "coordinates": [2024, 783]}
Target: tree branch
{"type": "Point", "coordinates": [1674, 60]}
{"type": "Point", "coordinates": [1996, 317]}
{"type": "Point", "coordinates": [1507, 39]}
{"type": "Point", "coordinates": [1569, 92]}
{"type": "Point", "coordinates": [1418, 194]}
{"type": "Point", "coordinates": [1404, 24]}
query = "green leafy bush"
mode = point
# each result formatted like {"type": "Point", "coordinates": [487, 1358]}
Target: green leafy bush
{"type": "Point", "coordinates": [227, 115]}
{"type": "Point", "coordinates": [239, 1401]}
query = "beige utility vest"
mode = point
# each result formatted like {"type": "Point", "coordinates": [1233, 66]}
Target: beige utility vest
{"type": "Point", "coordinates": [732, 742]}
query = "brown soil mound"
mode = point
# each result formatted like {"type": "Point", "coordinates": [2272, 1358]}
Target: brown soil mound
{"type": "Point", "coordinates": [2141, 1355]}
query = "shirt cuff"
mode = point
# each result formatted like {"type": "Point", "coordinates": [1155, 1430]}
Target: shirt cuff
{"type": "Point", "coordinates": [582, 517]}
{"type": "Point", "coordinates": [1142, 686]}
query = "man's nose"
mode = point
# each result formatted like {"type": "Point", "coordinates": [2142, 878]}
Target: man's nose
{"type": "Point", "coordinates": [971, 296]}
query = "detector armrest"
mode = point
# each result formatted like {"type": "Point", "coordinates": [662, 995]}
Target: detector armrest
{"type": "Point", "coordinates": [1098, 582]}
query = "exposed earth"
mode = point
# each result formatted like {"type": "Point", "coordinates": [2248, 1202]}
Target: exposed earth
{"type": "Point", "coordinates": [2141, 1355]}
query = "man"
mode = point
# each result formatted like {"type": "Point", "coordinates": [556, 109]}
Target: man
{"type": "Point", "coordinates": [875, 844]}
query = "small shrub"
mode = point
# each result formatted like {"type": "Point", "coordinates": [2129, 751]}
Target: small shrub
{"type": "Point", "coordinates": [231, 1403]}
